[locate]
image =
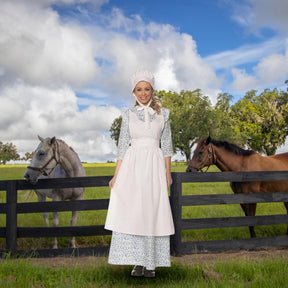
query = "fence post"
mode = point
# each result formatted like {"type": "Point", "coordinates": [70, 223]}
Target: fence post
{"type": "Point", "coordinates": [11, 218]}
{"type": "Point", "coordinates": [176, 207]}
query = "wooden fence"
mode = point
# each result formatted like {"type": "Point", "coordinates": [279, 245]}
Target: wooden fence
{"type": "Point", "coordinates": [11, 208]}
{"type": "Point", "coordinates": [178, 201]}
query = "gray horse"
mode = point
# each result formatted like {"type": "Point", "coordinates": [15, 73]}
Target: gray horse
{"type": "Point", "coordinates": [53, 158]}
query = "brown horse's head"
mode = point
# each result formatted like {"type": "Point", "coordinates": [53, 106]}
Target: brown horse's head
{"type": "Point", "coordinates": [203, 156]}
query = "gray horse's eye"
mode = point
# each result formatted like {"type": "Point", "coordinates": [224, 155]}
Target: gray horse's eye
{"type": "Point", "coordinates": [41, 153]}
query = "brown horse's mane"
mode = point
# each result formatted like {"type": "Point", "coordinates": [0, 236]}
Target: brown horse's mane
{"type": "Point", "coordinates": [232, 147]}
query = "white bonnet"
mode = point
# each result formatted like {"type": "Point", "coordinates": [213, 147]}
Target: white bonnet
{"type": "Point", "coordinates": [142, 75]}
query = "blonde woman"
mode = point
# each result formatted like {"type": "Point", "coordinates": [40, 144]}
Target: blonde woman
{"type": "Point", "coordinates": [139, 212]}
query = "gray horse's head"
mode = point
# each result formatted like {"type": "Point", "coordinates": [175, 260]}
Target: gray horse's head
{"type": "Point", "coordinates": [44, 160]}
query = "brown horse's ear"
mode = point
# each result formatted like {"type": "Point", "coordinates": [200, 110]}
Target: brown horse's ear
{"type": "Point", "coordinates": [208, 140]}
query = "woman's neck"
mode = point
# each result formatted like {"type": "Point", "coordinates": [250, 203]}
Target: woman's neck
{"type": "Point", "coordinates": [144, 105]}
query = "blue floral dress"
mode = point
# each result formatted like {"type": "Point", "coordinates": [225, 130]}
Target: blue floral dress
{"type": "Point", "coordinates": [139, 212]}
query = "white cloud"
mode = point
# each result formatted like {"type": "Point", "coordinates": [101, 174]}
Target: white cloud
{"type": "Point", "coordinates": [273, 68]}
{"type": "Point", "coordinates": [242, 81]}
{"type": "Point", "coordinates": [267, 60]}
{"type": "Point", "coordinates": [250, 53]}
{"type": "Point", "coordinates": [270, 71]}
{"type": "Point", "coordinates": [259, 14]}
{"type": "Point", "coordinates": [36, 47]}
{"type": "Point", "coordinates": [171, 55]}
{"type": "Point", "coordinates": [54, 112]}
{"type": "Point", "coordinates": [258, 65]}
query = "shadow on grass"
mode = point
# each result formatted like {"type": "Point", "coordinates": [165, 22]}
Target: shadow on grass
{"type": "Point", "coordinates": [119, 276]}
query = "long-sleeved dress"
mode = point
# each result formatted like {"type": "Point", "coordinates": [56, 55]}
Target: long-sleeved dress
{"type": "Point", "coordinates": [139, 212]}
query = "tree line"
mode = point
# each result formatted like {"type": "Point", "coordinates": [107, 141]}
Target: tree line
{"type": "Point", "coordinates": [257, 121]}
{"type": "Point", "coordinates": [8, 152]}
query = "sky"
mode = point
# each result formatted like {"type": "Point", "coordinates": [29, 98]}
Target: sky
{"type": "Point", "coordinates": [65, 65]}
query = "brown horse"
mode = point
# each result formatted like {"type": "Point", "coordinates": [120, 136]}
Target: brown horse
{"type": "Point", "coordinates": [229, 157]}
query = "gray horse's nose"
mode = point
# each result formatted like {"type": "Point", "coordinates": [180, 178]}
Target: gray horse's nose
{"type": "Point", "coordinates": [27, 175]}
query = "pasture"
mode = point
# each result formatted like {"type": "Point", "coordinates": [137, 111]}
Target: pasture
{"type": "Point", "coordinates": [241, 271]}
{"type": "Point", "coordinates": [98, 217]}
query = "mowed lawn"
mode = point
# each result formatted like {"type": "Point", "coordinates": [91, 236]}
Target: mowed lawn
{"type": "Point", "coordinates": [86, 218]}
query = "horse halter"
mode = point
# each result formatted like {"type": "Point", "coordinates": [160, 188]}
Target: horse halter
{"type": "Point", "coordinates": [54, 157]}
{"type": "Point", "coordinates": [211, 159]}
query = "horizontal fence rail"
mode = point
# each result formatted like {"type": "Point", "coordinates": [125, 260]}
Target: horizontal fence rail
{"type": "Point", "coordinates": [11, 208]}
{"type": "Point", "coordinates": [179, 200]}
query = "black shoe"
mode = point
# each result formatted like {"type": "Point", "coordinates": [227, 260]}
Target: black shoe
{"type": "Point", "coordinates": [138, 271]}
{"type": "Point", "coordinates": [149, 273]}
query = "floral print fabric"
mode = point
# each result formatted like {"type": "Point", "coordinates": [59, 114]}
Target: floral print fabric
{"type": "Point", "coordinates": [147, 251]}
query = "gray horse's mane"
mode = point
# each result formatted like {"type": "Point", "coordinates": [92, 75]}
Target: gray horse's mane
{"type": "Point", "coordinates": [59, 140]}
{"type": "Point", "coordinates": [232, 148]}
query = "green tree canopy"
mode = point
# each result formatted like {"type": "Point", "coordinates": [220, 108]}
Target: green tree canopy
{"type": "Point", "coordinates": [115, 129]}
{"type": "Point", "coordinates": [28, 156]}
{"type": "Point", "coordinates": [223, 126]}
{"type": "Point", "coordinates": [190, 117]}
{"type": "Point", "coordinates": [8, 152]}
{"type": "Point", "coordinates": [262, 119]}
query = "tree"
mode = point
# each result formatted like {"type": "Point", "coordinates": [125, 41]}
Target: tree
{"type": "Point", "coordinates": [115, 129]}
{"type": "Point", "coordinates": [223, 126]}
{"type": "Point", "coordinates": [190, 117]}
{"type": "Point", "coordinates": [8, 152]}
{"type": "Point", "coordinates": [263, 119]}
{"type": "Point", "coordinates": [28, 156]}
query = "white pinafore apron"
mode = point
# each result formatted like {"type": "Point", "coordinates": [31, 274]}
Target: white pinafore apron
{"type": "Point", "coordinates": [139, 202]}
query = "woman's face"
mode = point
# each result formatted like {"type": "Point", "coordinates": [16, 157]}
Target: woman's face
{"type": "Point", "coordinates": [143, 91]}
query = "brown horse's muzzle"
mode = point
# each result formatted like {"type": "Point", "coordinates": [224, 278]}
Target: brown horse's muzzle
{"type": "Point", "coordinates": [191, 169]}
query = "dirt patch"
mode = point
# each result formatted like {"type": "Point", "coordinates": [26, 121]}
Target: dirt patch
{"type": "Point", "coordinates": [243, 255]}
{"type": "Point", "coordinates": [192, 259]}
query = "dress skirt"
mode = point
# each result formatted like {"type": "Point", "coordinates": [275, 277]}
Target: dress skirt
{"type": "Point", "coordinates": [147, 251]}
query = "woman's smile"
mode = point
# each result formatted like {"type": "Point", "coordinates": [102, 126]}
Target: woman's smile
{"type": "Point", "coordinates": [143, 91]}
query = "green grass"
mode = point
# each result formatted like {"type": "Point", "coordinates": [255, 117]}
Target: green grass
{"type": "Point", "coordinates": [98, 217]}
{"type": "Point", "coordinates": [234, 274]}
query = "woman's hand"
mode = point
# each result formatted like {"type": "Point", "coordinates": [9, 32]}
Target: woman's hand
{"type": "Point", "coordinates": [169, 179]}
{"type": "Point", "coordinates": [112, 182]}
{"type": "Point", "coordinates": [168, 171]}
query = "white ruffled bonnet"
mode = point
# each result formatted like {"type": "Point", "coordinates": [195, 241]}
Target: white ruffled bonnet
{"type": "Point", "coordinates": [142, 75]}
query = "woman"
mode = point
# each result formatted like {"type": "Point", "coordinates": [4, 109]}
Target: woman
{"type": "Point", "coordinates": [139, 212]}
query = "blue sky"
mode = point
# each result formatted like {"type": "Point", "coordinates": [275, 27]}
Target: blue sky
{"type": "Point", "coordinates": [204, 20]}
{"type": "Point", "coordinates": [65, 65]}
{"type": "Point", "coordinates": [227, 33]}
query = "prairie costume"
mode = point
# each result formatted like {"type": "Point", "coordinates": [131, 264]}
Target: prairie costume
{"type": "Point", "coordinates": [139, 212]}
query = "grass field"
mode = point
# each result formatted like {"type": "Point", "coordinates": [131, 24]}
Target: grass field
{"type": "Point", "coordinates": [238, 272]}
{"type": "Point", "coordinates": [258, 273]}
{"type": "Point", "coordinates": [98, 217]}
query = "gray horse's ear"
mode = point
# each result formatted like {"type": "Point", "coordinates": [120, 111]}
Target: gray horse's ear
{"type": "Point", "coordinates": [40, 138]}
{"type": "Point", "coordinates": [52, 140]}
